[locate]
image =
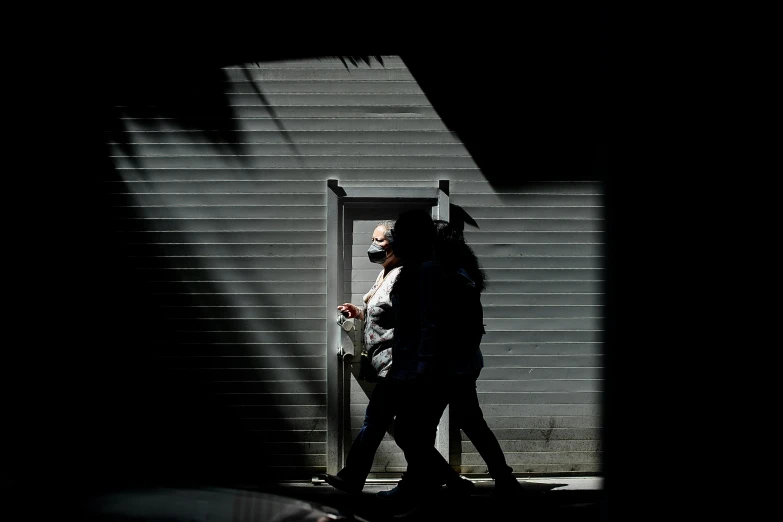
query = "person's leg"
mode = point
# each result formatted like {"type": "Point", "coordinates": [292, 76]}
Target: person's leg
{"type": "Point", "coordinates": [377, 419]}
{"type": "Point", "coordinates": [445, 474]}
{"type": "Point", "coordinates": [419, 409]}
{"type": "Point", "coordinates": [466, 412]}
{"type": "Point", "coordinates": [441, 467]}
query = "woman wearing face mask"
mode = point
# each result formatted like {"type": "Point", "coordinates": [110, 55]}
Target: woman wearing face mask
{"type": "Point", "coordinates": [378, 336]}
{"type": "Point", "coordinates": [376, 312]}
{"type": "Point", "coordinates": [378, 320]}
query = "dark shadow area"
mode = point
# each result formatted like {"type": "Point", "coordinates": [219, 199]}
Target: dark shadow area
{"type": "Point", "coordinates": [203, 438]}
{"type": "Point", "coordinates": [310, 502]}
{"type": "Point", "coordinates": [194, 503]}
{"type": "Point", "coordinates": [199, 436]}
{"type": "Point", "coordinates": [537, 501]}
{"type": "Point", "coordinates": [134, 419]}
{"type": "Point", "coordinates": [191, 98]}
{"type": "Point", "coordinates": [97, 406]}
{"type": "Point", "coordinates": [523, 116]}
{"type": "Point", "coordinates": [92, 406]}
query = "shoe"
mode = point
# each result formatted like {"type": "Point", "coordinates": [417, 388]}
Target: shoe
{"type": "Point", "coordinates": [460, 486]}
{"type": "Point", "coordinates": [395, 492]}
{"type": "Point", "coordinates": [404, 499]}
{"type": "Point", "coordinates": [348, 486]}
{"type": "Point", "coordinates": [507, 488]}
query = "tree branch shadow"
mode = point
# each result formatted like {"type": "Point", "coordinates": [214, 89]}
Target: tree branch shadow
{"type": "Point", "coordinates": [272, 112]}
{"type": "Point", "coordinates": [192, 99]}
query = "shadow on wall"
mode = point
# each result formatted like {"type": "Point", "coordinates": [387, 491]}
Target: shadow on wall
{"type": "Point", "coordinates": [278, 122]}
{"type": "Point", "coordinates": [536, 114]}
{"type": "Point", "coordinates": [148, 421]}
{"type": "Point", "coordinates": [458, 218]}
{"type": "Point", "coordinates": [191, 98]}
{"type": "Point", "coordinates": [140, 418]}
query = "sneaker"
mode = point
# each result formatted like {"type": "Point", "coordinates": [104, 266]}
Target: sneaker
{"type": "Point", "coordinates": [348, 486]}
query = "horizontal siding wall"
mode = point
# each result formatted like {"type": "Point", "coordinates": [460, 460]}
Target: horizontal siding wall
{"type": "Point", "coordinates": [541, 387]}
{"type": "Point", "coordinates": [223, 211]}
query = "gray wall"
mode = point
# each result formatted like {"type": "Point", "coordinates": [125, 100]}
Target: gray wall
{"type": "Point", "coordinates": [225, 213]}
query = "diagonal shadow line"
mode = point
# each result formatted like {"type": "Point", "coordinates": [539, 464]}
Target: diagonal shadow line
{"type": "Point", "coordinates": [459, 218]}
{"type": "Point", "coordinates": [117, 131]}
{"type": "Point", "coordinates": [158, 388]}
{"type": "Point", "coordinates": [365, 59]}
{"type": "Point", "coordinates": [275, 117]}
{"type": "Point", "coordinates": [191, 101]}
{"type": "Point", "coordinates": [228, 442]}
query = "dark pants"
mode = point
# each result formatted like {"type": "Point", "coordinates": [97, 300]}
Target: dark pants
{"type": "Point", "coordinates": [380, 413]}
{"type": "Point", "coordinates": [420, 407]}
{"type": "Point", "coordinates": [377, 419]}
{"type": "Point", "coordinates": [466, 414]}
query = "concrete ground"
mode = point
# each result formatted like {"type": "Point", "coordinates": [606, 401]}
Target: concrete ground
{"type": "Point", "coordinates": [551, 499]}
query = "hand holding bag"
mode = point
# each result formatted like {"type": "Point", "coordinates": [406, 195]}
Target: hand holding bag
{"type": "Point", "coordinates": [355, 328]}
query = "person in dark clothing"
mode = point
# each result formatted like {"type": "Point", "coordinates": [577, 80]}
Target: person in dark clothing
{"type": "Point", "coordinates": [419, 377]}
{"type": "Point", "coordinates": [444, 365]}
{"type": "Point", "coordinates": [378, 336]}
{"type": "Point", "coordinates": [454, 254]}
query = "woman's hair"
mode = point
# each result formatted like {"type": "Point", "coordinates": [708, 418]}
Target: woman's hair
{"type": "Point", "coordinates": [414, 237]}
{"type": "Point", "coordinates": [452, 252]}
{"type": "Point", "coordinates": [389, 226]}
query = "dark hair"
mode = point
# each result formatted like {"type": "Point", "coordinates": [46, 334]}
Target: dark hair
{"type": "Point", "coordinates": [414, 237]}
{"type": "Point", "coordinates": [452, 252]}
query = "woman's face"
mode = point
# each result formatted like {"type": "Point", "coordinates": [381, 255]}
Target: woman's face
{"type": "Point", "coordinates": [379, 238]}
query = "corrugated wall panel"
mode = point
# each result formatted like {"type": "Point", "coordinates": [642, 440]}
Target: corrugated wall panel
{"type": "Point", "coordinates": [223, 214]}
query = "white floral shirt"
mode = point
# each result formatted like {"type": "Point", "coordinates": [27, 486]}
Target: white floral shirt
{"type": "Point", "coordinates": [379, 321]}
